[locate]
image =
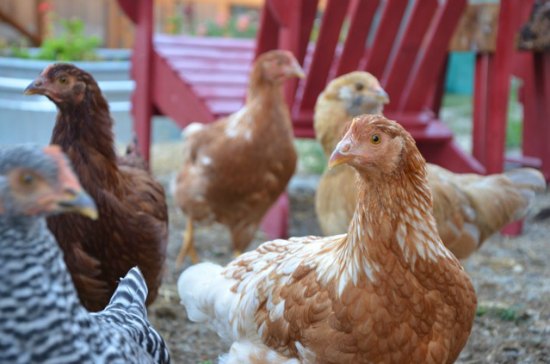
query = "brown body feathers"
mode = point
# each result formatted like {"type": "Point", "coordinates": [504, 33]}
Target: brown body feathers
{"type": "Point", "coordinates": [132, 228]}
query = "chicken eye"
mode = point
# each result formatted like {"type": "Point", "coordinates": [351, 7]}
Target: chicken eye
{"type": "Point", "coordinates": [62, 80]}
{"type": "Point", "coordinates": [26, 179]}
{"type": "Point", "coordinates": [375, 139]}
{"type": "Point", "coordinates": [359, 86]}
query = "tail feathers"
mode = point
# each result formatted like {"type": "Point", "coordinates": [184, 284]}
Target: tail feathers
{"type": "Point", "coordinates": [528, 182]}
{"type": "Point", "coordinates": [131, 293]}
{"type": "Point", "coordinates": [208, 297]}
{"type": "Point", "coordinates": [247, 352]}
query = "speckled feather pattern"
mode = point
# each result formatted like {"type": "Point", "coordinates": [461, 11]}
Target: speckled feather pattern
{"type": "Point", "coordinates": [43, 320]}
{"type": "Point", "coordinates": [388, 291]}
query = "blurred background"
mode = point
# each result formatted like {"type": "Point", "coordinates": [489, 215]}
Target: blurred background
{"type": "Point", "coordinates": [89, 32]}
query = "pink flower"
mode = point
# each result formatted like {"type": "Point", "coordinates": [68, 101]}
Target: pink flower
{"type": "Point", "coordinates": [45, 6]}
{"type": "Point", "coordinates": [243, 22]}
{"type": "Point", "coordinates": [221, 20]}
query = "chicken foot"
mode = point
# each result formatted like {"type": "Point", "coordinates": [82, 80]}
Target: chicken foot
{"type": "Point", "coordinates": [188, 245]}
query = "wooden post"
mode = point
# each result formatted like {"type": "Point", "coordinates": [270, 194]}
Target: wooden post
{"type": "Point", "coordinates": [142, 102]}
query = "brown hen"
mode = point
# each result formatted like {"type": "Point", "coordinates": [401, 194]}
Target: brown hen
{"type": "Point", "coordinates": [133, 225]}
{"type": "Point", "coordinates": [468, 208]}
{"type": "Point", "coordinates": [388, 291]}
{"type": "Point", "coordinates": [235, 168]}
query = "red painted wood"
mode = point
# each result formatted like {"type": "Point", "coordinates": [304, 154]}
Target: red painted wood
{"type": "Point", "coordinates": [439, 89]}
{"type": "Point", "coordinates": [142, 105]}
{"type": "Point", "coordinates": [398, 69]}
{"type": "Point", "coordinates": [431, 55]}
{"type": "Point", "coordinates": [323, 55]}
{"type": "Point", "coordinates": [175, 98]}
{"type": "Point", "coordinates": [275, 222]}
{"type": "Point", "coordinates": [377, 55]}
{"type": "Point", "coordinates": [480, 112]}
{"type": "Point", "coordinates": [499, 88]}
{"type": "Point", "coordinates": [130, 9]}
{"type": "Point", "coordinates": [290, 39]}
{"type": "Point", "coordinates": [241, 44]}
{"type": "Point", "coordinates": [450, 156]}
{"type": "Point", "coordinates": [281, 10]}
{"type": "Point", "coordinates": [513, 229]}
{"type": "Point", "coordinates": [361, 13]}
{"type": "Point", "coordinates": [532, 143]}
{"type": "Point", "coordinates": [268, 33]}
{"type": "Point", "coordinates": [542, 84]}
{"type": "Point", "coordinates": [309, 12]}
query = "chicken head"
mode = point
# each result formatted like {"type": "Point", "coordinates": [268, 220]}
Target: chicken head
{"type": "Point", "coordinates": [278, 66]}
{"type": "Point", "coordinates": [371, 145]}
{"type": "Point", "coordinates": [63, 84]}
{"type": "Point", "coordinates": [41, 182]}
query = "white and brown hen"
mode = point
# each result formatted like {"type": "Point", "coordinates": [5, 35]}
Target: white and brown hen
{"type": "Point", "coordinates": [235, 168]}
{"type": "Point", "coordinates": [468, 208]}
{"type": "Point", "coordinates": [388, 291]}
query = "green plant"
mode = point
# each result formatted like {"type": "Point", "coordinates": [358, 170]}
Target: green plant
{"type": "Point", "coordinates": [505, 313]}
{"type": "Point", "coordinates": [71, 45]}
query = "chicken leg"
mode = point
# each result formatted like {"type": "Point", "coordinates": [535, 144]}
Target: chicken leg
{"type": "Point", "coordinates": [188, 245]}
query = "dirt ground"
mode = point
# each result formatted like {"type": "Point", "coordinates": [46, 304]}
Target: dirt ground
{"type": "Point", "coordinates": [511, 276]}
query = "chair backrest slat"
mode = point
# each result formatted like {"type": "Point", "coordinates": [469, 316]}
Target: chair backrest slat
{"type": "Point", "coordinates": [325, 47]}
{"type": "Point", "coordinates": [377, 55]}
{"type": "Point", "coordinates": [361, 13]}
{"type": "Point", "coordinates": [406, 49]}
{"type": "Point", "coordinates": [431, 56]}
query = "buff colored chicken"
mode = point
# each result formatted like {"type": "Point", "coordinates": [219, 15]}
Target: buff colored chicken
{"type": "Point", "coordinates": [388, 291]}
{"type": "Point", "coordinates": [235, 168]}
{"type": "Point", "coordinates": [468, 208]}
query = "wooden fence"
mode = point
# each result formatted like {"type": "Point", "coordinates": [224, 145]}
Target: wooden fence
{"type": "Point", "coordinates": [103, 18]}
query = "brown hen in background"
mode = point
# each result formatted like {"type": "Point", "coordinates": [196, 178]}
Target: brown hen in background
{"type": "Point", "coordinates": [133, 225]}
{"type": "Point", "coordinates": [468, 208]}
{"type": "Point", "coordinates": [235, 168]}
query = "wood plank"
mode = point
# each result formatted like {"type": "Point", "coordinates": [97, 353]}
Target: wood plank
{"type": "Point", "coordinates": [206, 42]}
{"type": "Point", "coordinates": [268, 32]}
{"type": "Point", "coordinates": [212, 53]}
{"type": "Point", "coordinates": [542, 82]}
{"type": "Point", "coordinates": [175, 98]}
{"type": "Point", "coordinates": [431, 55]}
{"type": "Point", "coordinates": [224, 107]}
{"type": "Point", "coordinates": [377, 55]}
{"type": "Point", "coordinates": [398, 69]}
{"type": "Point", "coordinates": [499, 88]}
{"type": "Point", "coordinates": [142, 60]}
{"type": "Point", "coordinates": [215, 79]}
{"type": "Point", "coordinates": [480, 112]}
{"type": "Point", "coordinates": [218, 91]}
{"type": "Point", "coordinates": [209, 65]}
{"type": "Point", "coordinates": [362, 14]}
{"type": "Point", "coordinates": [329, 34]}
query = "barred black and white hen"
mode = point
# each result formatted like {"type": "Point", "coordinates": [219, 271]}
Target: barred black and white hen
{"type": "Point", "coordinates": [42, 318]}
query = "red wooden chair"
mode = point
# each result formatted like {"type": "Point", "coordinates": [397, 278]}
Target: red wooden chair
{"type": "Point", "coordinates": [532, 67]}
{"type": "Point", "coordinates": [404, 43]}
